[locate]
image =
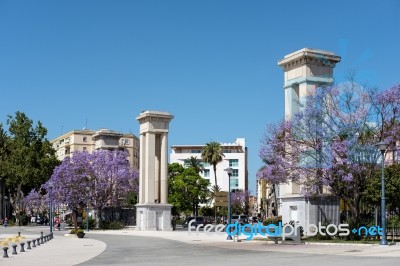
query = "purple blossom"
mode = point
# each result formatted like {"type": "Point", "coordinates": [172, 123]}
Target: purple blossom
{"type": "Point", "coordinates": [102, 177]}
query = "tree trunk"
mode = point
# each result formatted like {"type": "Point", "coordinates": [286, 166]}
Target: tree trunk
{"type": "Point", "coordinates": [2, 205]}
{"type": "Point", "coordinates": [215, 175]}
{"type": "Point", "coordinates": [276, 203]}
{"type": "Point", "coordinates": [75, 220]}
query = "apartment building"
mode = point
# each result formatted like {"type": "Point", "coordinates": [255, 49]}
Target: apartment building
{"type": "Point", "coordinates": [235, 156]}
{"type": "Point", "coordinates": [103, 139]}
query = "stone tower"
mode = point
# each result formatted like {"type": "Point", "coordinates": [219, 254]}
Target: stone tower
{"type": "Point", "coordinates": [304, 71]}
{"type": "Point", "coordinates": [153, 211]}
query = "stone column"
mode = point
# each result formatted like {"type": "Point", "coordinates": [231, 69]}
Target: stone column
{"type": "Point", "coordinates": [153, 211]}
{"type": "Point", "coordinates": [164, 168]}
{"type": "Point", "coordinates": [142, 169]}
{"type": "Point", "coordinates": [149, 167]}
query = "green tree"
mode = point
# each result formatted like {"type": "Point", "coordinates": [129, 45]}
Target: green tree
{"type": "Point", "coordinates": [186, 188]}
{"type": "Point", "coordinates": [195, 164]}
{"type": "Point", "coordinates": [372, 193]}
{"type": "Point", "coordinates": [212, 153]}
{"type": "Point", "coordinates": [31, 159]}
{"type": "Point", "coordinates": [4, 153]}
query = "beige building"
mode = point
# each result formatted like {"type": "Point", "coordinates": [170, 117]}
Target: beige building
{"type": "Point", "coordinates": [266, 198]}
{"type": "Point", "coordinates": [104, 139]}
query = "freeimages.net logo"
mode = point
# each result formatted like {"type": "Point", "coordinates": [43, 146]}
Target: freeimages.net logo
{"type": "Point", "coordinates": [284, 231]}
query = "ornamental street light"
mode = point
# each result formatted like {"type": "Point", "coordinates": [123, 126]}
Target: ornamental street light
{"type": "Point", "coordinates": [382, 147]}
{"type": "Point", "coordinates": [87, 208]}
{"type": "Point", "coordinates": [51, 206]}
{"type": "Point", "coordinates": [229, 171]}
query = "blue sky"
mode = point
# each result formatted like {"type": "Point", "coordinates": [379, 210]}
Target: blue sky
{"type": "Point", "coordinates": [212, 64]}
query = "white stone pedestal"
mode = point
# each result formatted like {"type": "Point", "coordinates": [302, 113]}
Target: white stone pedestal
{"type": "Point", "coordinates": [151, 217]}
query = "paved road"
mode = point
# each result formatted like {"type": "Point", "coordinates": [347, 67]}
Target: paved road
{"type": "Point", "coordinates": [139, 250]}
{"type": "Point", "coordinates": [130, 247]}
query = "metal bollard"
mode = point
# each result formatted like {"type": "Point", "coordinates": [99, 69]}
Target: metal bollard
{"type": "Point", "coordinates": [19, 233]}
{"type": "Point", "coordinates": [29, 244]}
{"type": "Point", "coordinates": [41, 240]}
{"type": "Point", "coordinates": [5, 255]}
{"type": "Point", "coordinates": [38, 241]}
{"type": "Point", "coordinates": [45, 239]}
{"type": "Point", "coordinates": [14, 249]}
{"type": "Point", "coordinates": [34, 243]}
{"type": "Point", "coordinates": [22, 247]}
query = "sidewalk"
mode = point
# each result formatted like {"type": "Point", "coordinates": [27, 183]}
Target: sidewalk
{"type": "Point", "coordinates": [71, 251]}
{"type": "Point", "coordinates": [59, 251]}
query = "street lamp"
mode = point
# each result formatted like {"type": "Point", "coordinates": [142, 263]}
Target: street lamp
{"type": "Point", "coordinates": [229, 171]}
{"type": "Point", "coordinates": [87, 208]}
{"type": "Point", "coordinates": [51, 206]}
{"type": "Point", "coordinates": [382, 146]}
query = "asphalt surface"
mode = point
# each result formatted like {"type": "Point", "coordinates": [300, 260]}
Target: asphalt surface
{"type": "Point", "coordinates": [131, 247]}
{"type": "Point", "coordinates": [136, 250]}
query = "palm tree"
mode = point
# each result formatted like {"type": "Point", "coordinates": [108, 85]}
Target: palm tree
{"type": "Point", "coordinates": [212, 154]}
{"type": "Point", "coordinates": [194, 163]}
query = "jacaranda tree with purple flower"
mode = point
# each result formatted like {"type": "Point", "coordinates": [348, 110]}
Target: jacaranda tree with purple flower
{"type": "Point", "coordinates": [102, 178]}
{"type": "Point", "coordinates": [239, 201]}
{"type": "Point", "coordinates": [329, 144]}
{"type": "Point", "coordinates": [35, 203]}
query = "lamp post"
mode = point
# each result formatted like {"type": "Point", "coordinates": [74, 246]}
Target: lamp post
{"type": "Point", "coordinates": [382, 146]}
{"type": "Point", "coordinates": [51, 206]}
{"type": "Point", "coordinates": [229, 171]}
{"type": "Point", "coordinates": [87, 208]}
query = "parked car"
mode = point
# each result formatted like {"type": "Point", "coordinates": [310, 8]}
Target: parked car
{"type": "Point", "coordinates": [241, 219]}
{"type": "Point", "coordinates": [198, 220]}
{"type": "Point", "coordinates": [40, 220]}
{"type": "Point", "coordinates": [254, 219]}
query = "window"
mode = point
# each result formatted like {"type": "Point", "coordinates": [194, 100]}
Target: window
{"type": "Point", "coordinates": [234, 183]}
{"type": "Point", "coordinates": [84, 148]}
{"type": "Point", "coordinates": [195, 151]}
{"type": "Point", "coordinates": [233, 163]}
{"type": "Point", "coordinates": [84, 139]}
{"type": "Point", "coordinates": [206, 172]}
{"type": "Point", "coordinates": [124, 141]}
{"type": "Point", "coordinates": [206, 164]}
{"type": "Point", "coordinates": [235, 173]}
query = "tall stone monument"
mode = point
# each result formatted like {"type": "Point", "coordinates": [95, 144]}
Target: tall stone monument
{"type": "Point", "coordinates": [153, 211]}
{"type": "Point", "coordinates": [304, 71]}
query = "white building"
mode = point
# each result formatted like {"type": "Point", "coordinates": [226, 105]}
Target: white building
{"type": "Point", "coordinates": [235, 156]}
